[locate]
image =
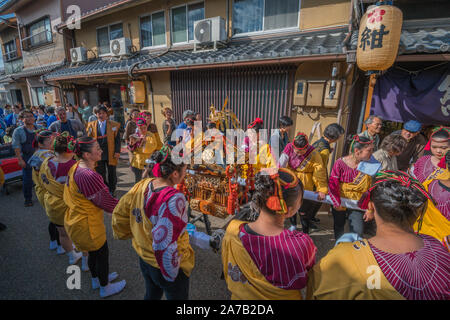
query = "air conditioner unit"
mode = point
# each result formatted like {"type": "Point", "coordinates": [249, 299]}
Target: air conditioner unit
{"type": "Point", "coordinates": [120, 46]}
{"type": "Point", "coordinates": [78, 54]}
{"type": "Point", "coordinates": [210, 30]}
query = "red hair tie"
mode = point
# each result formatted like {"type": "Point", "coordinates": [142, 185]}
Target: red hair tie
{"type": "Point", "coordinates": [306, 138]}
{"type": "Point", "coordinates": [156, 171]}
{"type": "Point", "coordinates": [428, 146]}
{"type": "Point", "coordinates": [254, 123]}
{"type": "Point", "coordinates": [357, 138]}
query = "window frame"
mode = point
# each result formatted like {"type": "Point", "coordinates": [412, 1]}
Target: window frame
{"type": "Point", "coordinates": [109, 37]}
{"type": "Point", "coordinates": [187, 22]}
{"type": "Point", "coordinates": [6, 52]}
{"type": "Point", "coordinates": [270, 31]}
{"type": "Point", "coordinates": [29, 35]}
{"type": "Point", "coordinates": [141, 43]}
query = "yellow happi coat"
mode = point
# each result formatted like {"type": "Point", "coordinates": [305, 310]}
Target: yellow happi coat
{"type": "Point", "coordinates": [434, 223]}
{"type": "Point", "coordinates": [55, 206]}
{"type": "Point", "coordinates": [112, 130]}
{"type": "Point", "coordinates": [349, 272]}
{"type": "Point", "coordinates": [312, 172]}
{"type": "Point", "coordinates": [264, 159]}
{"type": "Point", "coordinates": [83, 220]}
{"type": "Point", "coordinates": [125, 225]}
{"type": "Point", "coordinates": [244, 280]}
{"type": "Point", "coordinates": [38, 187]}
{"type": "Point", "coordinates": [355, 189]}
{"type": "Point", "coordinates": [144, 152]}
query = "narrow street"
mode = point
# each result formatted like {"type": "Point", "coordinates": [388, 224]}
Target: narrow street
{"type": "Point", "coordinates": [29, 270]}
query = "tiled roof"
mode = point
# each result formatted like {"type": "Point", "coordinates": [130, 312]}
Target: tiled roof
{"type": "Point", "coordinates": [5, 78]}
{"type": "Point", "coordinates": [35, 71]}
{"type": "Point", "coordinates": [430, 37]}
{"type": "Point", "coordinates": [299, 45]}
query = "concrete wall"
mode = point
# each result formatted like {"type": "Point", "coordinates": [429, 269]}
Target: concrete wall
{"type": "Point", "coordinates": [161, 97]}
{"type": "Point", "coordinates": [324, 13]}
{"type": "Point", "coordinates": [46, 54]}
{"type": "Point", "coordinates": [304, 122]}
{"type": "Point", "coordinates": [313, 14]}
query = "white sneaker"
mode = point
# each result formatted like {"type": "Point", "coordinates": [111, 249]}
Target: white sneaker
{"type": "Point", "coordinates": [112, 288]}
{"type": "Point", "coordinates": [111, 277]}
{"type": "Point", "coordinates": [74, 257]}
{"type": "Point", "coordinates": [53, 245]}
{"type": "Point", "coordinates": [60, 250]}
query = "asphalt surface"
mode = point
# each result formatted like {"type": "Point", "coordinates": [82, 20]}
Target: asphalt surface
{"type": "Point", "coordinates": [29, 270]}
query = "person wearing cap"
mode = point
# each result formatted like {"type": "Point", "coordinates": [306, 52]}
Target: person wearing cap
{"type": "Point", "coordinates": [142, 145]}
{"type": "Point", "coordinates": [374, 125]}
{"type": "Point", "coordinates": [415, 145]}
{"type": "Point", "coordinates": [106, 132]}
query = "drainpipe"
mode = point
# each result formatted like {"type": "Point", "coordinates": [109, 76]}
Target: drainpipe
{"type": "Point", "coordinates": [363, 105]}
{"type": "Point", "coordinates": [150, 87]}
{"type": "Point", "coordinates": [61, 94]}
{"type": "Point", "coordinates": [228, 19]}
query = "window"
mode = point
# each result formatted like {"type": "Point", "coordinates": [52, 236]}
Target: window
{"type": "Point", "coordinates": [10, 51]}
{"type": "Point", "coordinates": [105, 34]}
{"type": "Point", "coordinates": [153, 30]}
{"type": "Point", "coordinates": [264, 15]}
{"type": "Point", "coordinates": [38, 95]}
{"type": "Point", "coordinates": [183, 19]}
{"type": "Point", "coordinates": [39, 33]}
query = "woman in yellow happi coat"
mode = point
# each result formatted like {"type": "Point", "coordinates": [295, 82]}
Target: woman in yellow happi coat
{"type": "Point", "coordinates": [261, 259]}
{"type": "Point", "coordinates": [346, 181]}
{"type": "Point", "coordinates": [87, 196]}
{"type": "Point", "coordinates": [154, 215]}
{"type": "Point", "coordinates": [436, 221]}
{"type": "Point", "coordinates": [307, 163]}
{"type": "Point", "coordinates": [395, 264]}
{"type": "Point", "coordinates": [53, 176]}
{"type": "Point", "coordinates": [44, 142]}
{"type": "Point", "coordinates": [142, 144]}
{"type": "Point", "coordinates": [258, 152]}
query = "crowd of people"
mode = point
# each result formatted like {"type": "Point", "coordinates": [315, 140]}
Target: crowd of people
{"type": "Point", "coordinates": [393, 192]}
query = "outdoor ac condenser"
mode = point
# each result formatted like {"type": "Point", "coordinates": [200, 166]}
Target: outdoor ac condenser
{"type": "Point", "coordinates": [120, 46]}
{"type": "Point", "coordinates": [209, 30]}
{"type": "Point", "coordinates": [78, 54]}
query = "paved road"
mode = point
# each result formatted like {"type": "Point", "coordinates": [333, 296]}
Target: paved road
{"type": "Point", "coordinates": [29, 270]}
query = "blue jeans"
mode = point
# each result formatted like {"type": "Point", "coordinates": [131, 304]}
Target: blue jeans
{"type": "Point", "coordinates": [156, 285]}
{"type": "Point", "coordinates": [355, 219]}
{"type": "Point", "coordinates": [27, 183]}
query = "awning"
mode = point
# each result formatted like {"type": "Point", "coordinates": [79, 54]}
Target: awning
{"type": "Point", "coordinates": [282, 49]}
{"type": "Point", "coordinates": [401, 95]}
{"type": "Point", "coordinates": [35, 71]}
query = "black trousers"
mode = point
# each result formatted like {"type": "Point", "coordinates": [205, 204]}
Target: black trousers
{"type": "Point", "coordinates": [54, 234]}
{"type": "Point", "coordinates": [101, 168]}
{"type": "Point", "coordinates": [137, 174]}
{"type": "Point", "coordinates": [98, 262]}
{"type": "Point", "coordinates": [308, 208]}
